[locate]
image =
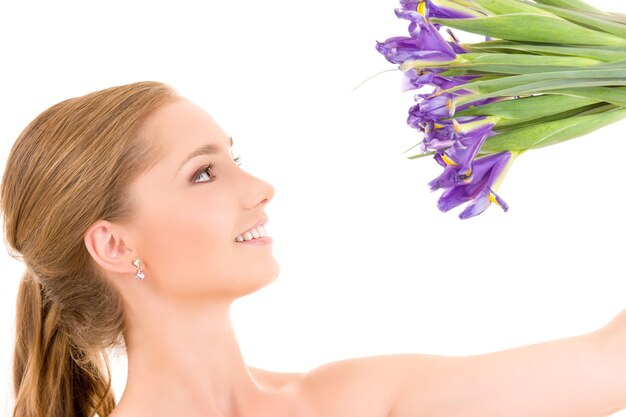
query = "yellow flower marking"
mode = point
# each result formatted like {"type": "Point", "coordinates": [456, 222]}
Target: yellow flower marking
{"type": "Point", "coordinates": [457, 126]}
{"type": "Point", "coordinates": [447, 160]}
{"type": "Point", "coordinates": [492, 197]}
{"type": "Point", "coordinates": [421, 8]}
{"type": "Point", "coordinates": [451, 105]}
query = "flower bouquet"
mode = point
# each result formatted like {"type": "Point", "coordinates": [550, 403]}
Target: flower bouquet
{"type": "Point", "coordinates": [547, 71]}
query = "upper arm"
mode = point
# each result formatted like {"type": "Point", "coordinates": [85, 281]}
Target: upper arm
{"type": "Point", "coordinates": [570, 377]}
{"type": "Point", "coordinates": [364, 387]}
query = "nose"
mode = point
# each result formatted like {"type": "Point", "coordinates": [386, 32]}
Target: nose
{"type": "Point", "coordinates": [267, 191]}
{"type": "Point", "coordinates": [258, 191]}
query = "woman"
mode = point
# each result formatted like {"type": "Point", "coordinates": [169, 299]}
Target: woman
{"type": "Point", "coordinates": [139, 229]}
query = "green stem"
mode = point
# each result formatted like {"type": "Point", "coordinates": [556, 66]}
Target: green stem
{"type": "Point", "coordinates": [363, 82]}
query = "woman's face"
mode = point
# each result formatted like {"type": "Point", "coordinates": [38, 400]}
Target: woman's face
{"type": "Point", "coordinates": [188, 215]}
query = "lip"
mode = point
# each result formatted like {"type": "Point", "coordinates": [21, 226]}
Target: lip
{"type": "Point", "coordinates": [258, 241]}
{"type": "Point", "coordinates": [263, 221]}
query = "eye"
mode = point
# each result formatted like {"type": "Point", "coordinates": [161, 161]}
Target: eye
{"type": "Point", "coordinates": [205, 173]}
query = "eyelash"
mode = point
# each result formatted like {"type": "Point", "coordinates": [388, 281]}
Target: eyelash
{"type": "Point", "coordinates": [207, 169]}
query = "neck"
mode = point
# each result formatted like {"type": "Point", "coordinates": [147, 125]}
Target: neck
{"type": "Point", "coordinates": [186, 357]}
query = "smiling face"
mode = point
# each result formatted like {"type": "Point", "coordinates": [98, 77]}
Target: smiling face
{"type": "Point", "coordinates": [188, 213]}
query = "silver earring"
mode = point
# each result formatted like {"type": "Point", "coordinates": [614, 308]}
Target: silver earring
{"type": "Point", "coordinates": [139, 274]}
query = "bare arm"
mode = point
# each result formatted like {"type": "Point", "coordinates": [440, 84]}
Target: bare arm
{"type": "Point", "coordinates": [582, 376]}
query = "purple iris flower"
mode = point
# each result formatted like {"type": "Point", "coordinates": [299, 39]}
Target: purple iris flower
{"type": "Point", "coordinates": [425, 42]}
{"type": "Point", "coordinates": [455, 44]}
{"type": "Point", "coordinates": [421, 29]}
{"type": "Point", "coordinates": [423, 56]}
{"type": "Point", "coordinates": [478, 192]}
{"type": "Point", "coordinates": [458, 49]}
{"type": "Point", "coordinates": [399, 49]}
{"type": "Point", "coordinates": [415, 79]}
{"type": "Point", "coordinates": [409, 4]}
{"type": "Point", "coordinates": [432, 107]}
{"type": "Point", "coordinates": [437, 137]}
{"type": "Point", "coordinates": [418, 25]}
{"type": "Point", "coordinates": [460, 155]}
{"type": "Point", "coordinates": [436, 9]}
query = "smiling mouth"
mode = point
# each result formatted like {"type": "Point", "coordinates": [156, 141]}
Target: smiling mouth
{"type": "Point", "coordinates": [254, 233]}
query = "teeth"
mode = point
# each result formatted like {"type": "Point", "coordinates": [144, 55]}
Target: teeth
{"type": "Point", "coordinates": [253, 233]}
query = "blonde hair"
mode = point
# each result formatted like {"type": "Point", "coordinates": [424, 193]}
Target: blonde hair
{"type": "Point", "coordinates": [70, 167]}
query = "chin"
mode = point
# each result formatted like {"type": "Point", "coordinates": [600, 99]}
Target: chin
{"type": "Point", "coordinates": [260, 280]}
{"type": "Point", "coordinates": [267, 279]}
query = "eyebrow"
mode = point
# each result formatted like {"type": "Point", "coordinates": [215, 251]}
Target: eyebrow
{"type": "Point", "coordinates": [207, 149]}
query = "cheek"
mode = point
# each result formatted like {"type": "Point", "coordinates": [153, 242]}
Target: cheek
{"type": "Point", "coordinates": [186, 242]}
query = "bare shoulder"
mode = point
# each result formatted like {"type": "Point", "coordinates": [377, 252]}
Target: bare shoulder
{"type": "Point", "coordinates": [349, 374]}
{"type": "Point", "coordinates": [364, 387]}
{"type": "Point", "coordinates": [274, 380]}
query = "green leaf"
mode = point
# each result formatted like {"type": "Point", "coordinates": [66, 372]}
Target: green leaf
{"type": "Point", "coordinates": [515, 64]}
{"type": "Point", "coordinates": [612, 16]}
{"type": "Point", "coordinates": [613, 95]}
{"type": "Point", "coordinates": [483, 75]}
{"type": "Point", "coordinates": [587, 20]}
{"type": "Point", "coordinates": [527, 59]}
{"type": "Point", "coordinates": [531, 27]}
{"type": "Point", "coordinates": [506, 125]}
{"type": "Point", "coordinates": [592, 53]}
{"type": "Point", "coordinates": [492, 43]}
{"type": "Point", "coordinates": [527, 107]}
{"type": "Point", "coordinates": [500, 43]}
{"type": "Point", "coordinates": [511, 6]}
{"type": "Point", "coordinates": [600, 108]}
{"type": "Point", "coordinates": [466, 7]}
{"type": "Point", "coordinates": [472, 69]}
{"type": "Point", "coordinates": [618, 63]}
{"type": "Point", "coordinates": [487, 86]}
{"type": "Point", "coordinates": [504, 43]}
{"type": "Point", "coordinates": [539, 87]}
{"type": "Point", "coordinates": [570, 4]}
{"type": "Point", "coordinates": [550, 133]}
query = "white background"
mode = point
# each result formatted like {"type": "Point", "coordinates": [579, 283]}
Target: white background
{"type": "Point", "coordinates": [369, 265]}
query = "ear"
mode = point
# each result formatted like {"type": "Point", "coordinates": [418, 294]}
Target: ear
{"type": "Point", "coordinates": [106, 242]}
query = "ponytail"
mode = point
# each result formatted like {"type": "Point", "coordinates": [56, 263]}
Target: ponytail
{"type": "Point", "coordinates": [68, 314]}
{"type": "Point", "coordinates": [51, 376]}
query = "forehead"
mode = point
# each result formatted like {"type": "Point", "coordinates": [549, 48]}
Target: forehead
{"type": "Point", "coordinates": [182, 126]}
